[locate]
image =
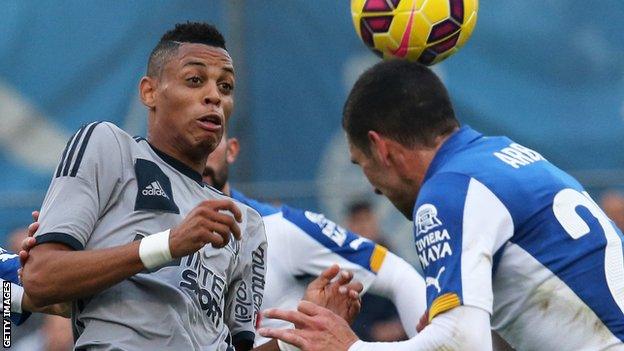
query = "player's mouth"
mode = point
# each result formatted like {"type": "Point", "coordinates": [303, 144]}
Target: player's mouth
{"type": "Point", "coordinates": [211, 122]}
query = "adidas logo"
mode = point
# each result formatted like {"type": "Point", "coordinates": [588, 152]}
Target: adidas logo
{"type": "Point", "coordinates": [155, 189]}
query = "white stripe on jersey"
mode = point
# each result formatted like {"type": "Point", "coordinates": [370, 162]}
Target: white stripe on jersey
{"type": "Point", "coordinates": [479, 228]}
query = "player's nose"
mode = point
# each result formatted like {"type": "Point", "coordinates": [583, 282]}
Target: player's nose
{"type": "Point", "coordinates": [211, 95]}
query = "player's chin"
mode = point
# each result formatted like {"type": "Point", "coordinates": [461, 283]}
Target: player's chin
{"type": "Point", "coordinates": [206, 143]}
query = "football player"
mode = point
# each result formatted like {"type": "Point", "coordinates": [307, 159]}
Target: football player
{"type": "Point", "coordinates": [506, 239]}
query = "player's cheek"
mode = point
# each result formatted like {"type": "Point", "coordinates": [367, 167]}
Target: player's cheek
{"type": "Point", "coordinates": [228, 106]}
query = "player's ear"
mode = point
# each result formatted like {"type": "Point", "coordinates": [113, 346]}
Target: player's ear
{"type": "Point", "coordinates": [396, 157]}
{"type": "Point", "coordinates": [147, 90]}
{"type": "Point", "coordinates": [233, 148]}
{"type": "Point", "coordinates": [379, 147]}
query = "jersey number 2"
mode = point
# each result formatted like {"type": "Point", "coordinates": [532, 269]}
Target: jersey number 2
{"type": "Point", "coordinates": [564, 206]}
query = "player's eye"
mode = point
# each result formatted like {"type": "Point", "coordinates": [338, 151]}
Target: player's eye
{"type": "Point", "coordinates": [195, 80]}
{"type": "Point", "coordinates": [226, 88]}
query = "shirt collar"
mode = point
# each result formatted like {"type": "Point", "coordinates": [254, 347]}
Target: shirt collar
{"type": "Point", "coordinates": [457, 141]}
{"type": "Point", "coordinates": [179, 166]}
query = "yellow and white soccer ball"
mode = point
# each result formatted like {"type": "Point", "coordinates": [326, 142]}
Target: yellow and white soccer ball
{"type": "Point", "coordinates": [427, 31]}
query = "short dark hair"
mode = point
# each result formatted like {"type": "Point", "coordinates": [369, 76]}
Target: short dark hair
{"type": "Point", "coordinates": [402, 100]}
{"type": "Point", "coordinates": [189, 32]}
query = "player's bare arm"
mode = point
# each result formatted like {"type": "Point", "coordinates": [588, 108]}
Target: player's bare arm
{"type": "Point", "coordinates": [47, 279]}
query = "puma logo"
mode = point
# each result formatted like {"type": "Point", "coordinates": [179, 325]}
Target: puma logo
{"type": "Point", "coordinates": [435, 282]}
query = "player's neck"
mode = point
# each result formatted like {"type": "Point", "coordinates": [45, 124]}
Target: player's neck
{"type": "Point", "coordinates": [195, 161]}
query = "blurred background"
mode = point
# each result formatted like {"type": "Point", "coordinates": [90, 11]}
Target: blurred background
{"type": "Point", "coordinates": [547, 73]}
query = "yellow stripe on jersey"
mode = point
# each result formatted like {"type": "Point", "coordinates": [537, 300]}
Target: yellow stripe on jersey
{"type": "Point", "coordinates": [443, 303]}
{"type": "Point", "coordinates": [377, 258]}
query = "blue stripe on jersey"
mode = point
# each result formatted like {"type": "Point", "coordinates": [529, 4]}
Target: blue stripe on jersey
{"type": "Point", "coordinates": [438, 223]}
{"type": "Point", "coordinates": [9, 264]}
{"type": "Point", "coordinates": [262, 208]}
{"type": "Point", "coordinates": [340, 241]}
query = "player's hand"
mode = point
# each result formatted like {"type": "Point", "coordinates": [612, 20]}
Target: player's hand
{"type": "Point", "coordinates": [29, 242]}
{"type": "Point", "coordinates": [207, 223]}
{"type": "Point", "coordinates": [317, 328]}
{"type": "Point", "coordinates": [342, 296]}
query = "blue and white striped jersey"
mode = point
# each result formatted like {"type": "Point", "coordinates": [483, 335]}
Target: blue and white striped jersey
{"type": "Point", "coordinates": [9, 264]}
{"type": "Point", "coordinates": [499, 227]}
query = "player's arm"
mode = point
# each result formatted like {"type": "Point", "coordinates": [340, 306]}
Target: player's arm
{"type": "Point", "coordinates": [55, 272]}
{"type": "Point", "coordinates": [317, 243]}
{"type": "Point", "coordinates": [399, 282]}
{"type": "Point", "coordinates": [84, 186]}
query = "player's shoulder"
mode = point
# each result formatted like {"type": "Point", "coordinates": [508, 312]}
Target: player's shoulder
{"type": "Point", "coordinates": [99, 140]}
{"type": "Point", "coordinates": [98, 135]}
{"type": "Point", "coordinates": [315, 225]}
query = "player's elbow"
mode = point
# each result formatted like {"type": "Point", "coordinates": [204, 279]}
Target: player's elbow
{"type": "Point", "coordinates": [36, 288]}
{"type": "Point", "coordinates": [462, 328]}
{"type": "Point", "coordinates": [38, 280]}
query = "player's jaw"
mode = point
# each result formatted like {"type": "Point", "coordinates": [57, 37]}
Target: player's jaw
{"type": "Point", "coordinates": [384, 181]}
{"type": "Point", "coordinates": [216, 172]}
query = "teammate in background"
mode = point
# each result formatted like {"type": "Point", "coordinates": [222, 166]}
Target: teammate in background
{"type": "Point", "coordinates": [150, 255]}
{"type": "Point", "coordinates": [499, 230]}
{"type": "Point", "coordinates": [612, 203]}
{"type": "Point", "coordinates": [362, 219]}
{"type": "Point", "coordinates": [302, 244]}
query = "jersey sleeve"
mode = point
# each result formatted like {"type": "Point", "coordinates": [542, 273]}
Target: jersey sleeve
{"type": "Point", "coordinates": [246, 289]}
{"type": "Point", "coordinates": [315, 243]}
{"type": "Point", "coordinates": [458, 225]}
{"type": "Point", "coordinates": [81, 187]}
{"type": "Point", "coordinates": [9, 264]}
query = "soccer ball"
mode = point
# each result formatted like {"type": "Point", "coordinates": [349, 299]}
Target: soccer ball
{"type": "Point", "coordinates": [427, 31]}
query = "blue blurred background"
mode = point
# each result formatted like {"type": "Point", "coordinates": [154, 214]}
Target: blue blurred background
{"type": "Point", "coordinates": [549, 74]}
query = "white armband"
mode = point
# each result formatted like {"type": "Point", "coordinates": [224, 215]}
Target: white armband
{"type": "Point", "coordinates": [154, 250]}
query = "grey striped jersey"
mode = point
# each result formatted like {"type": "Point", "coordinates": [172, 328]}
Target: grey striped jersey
{"type": "Point", "coordinates": [110, 189]}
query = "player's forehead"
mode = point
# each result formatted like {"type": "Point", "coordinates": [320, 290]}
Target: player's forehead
{"type": "Point", "coordinates": [189, 54]}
